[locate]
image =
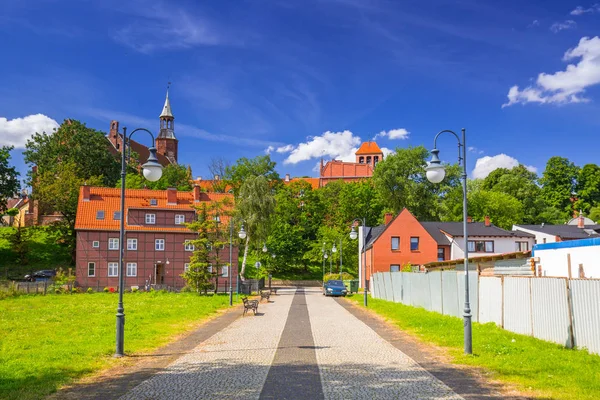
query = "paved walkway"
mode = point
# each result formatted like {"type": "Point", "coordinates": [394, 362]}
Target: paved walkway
{"type": "Point", "coordinates": [302, 345]}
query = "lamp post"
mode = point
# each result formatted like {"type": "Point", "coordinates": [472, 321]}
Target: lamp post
{"type": "Point", "coordinates": [435, 174]}
{"type": "Point", "coordinates": [324, 255]}
{"type": "Point", "coordinates": [241, 235]}
{"type": "Point", "coordinates": [334, 250]}
{"type": "Point", "coordinates": [353, 236]}
{"type": "Point", "coordinates": [152, 171]}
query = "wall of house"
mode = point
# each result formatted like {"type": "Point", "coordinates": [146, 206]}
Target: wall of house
{"type": "Point", "coordinates": [145, 256]}
{"type": "Point", "coordinates": [501, 245]}
{"type": "Point", "coordinates": [554, 258]}
{"type": "Point", "coordinates": [540, 237]}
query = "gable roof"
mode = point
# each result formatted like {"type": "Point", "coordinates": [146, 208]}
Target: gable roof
{"type": "Point", "coordinates": [566, 232]}
{"type": "Point", "coordinates": [474, 229]}
{"type": "Point", "coordinates": [369, 148]}
{"type": "Point", "coordinates": [109, 201]}
{"type": "Point", "coordinates": [373, 234]}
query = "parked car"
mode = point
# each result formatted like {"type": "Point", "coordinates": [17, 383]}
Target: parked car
{"type": "Point", "coordinates": [335, 288]}
{"type": "Point", "coordinates": [43, 275]}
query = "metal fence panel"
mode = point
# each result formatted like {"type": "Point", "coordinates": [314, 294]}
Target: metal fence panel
{"type": "Point", "coordinates": [585, 295]}
{"type": "Point", "coordinates": [407, 287]}
{"type": "Point", "coordinates": [473, 291]}
{"type": "Point", "coordinates": [420, 291]}
{"type": "Point", "coordinates": [450, 294]}
{"type": "Point", "coordinates": [375, 281]}
{"type": "Point", "coordinates": [387, 284]}
{"type": "Point", "coordinates": [517, 305]}
{"type": "Point", "coordinates": [435, 291]}
{"type": "Point", "coordinates": [381, 288]}
{"type": "Point", "coordinates": [397, 286]}
{"type": "Point", "coordinates": [490, 299]}
{"type": "Point", "coordinates": [550, 310]}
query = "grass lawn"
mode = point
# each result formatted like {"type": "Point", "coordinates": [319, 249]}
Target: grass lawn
{"type": "Point", "coordinates": [46, 341]}
{"type": "Point", "coordinates": [544, 369]}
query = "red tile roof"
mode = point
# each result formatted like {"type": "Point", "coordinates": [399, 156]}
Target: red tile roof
{"type": "Point", "coordinates": [314, 182]}
{"type": "Point", "coordinates": [207, 185]}
{"type": "Point", "coordinates": [369, 148]}
{"type": "Point", "coordinates": [109, 201]}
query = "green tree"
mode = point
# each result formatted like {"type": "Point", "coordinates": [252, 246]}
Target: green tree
{"type": "Point", "coordinates": [255, 206]}
{"type": "Point", "coordinates": [588, 188]}
{"type": "Point", "coordinates": [9, 178]}
{"type": "Point", "coordinates": [558, 184]}
{"type": "Point", "coordinates": [503, 209]}
{"type": "Point", "coordinates": [401, 182]}
{"type": "Point", "coordinates": [176, 176]}
{"type": "Point", "coordinates": [198, 276]}
{"type": "Point", "coordinates": [244, 168]}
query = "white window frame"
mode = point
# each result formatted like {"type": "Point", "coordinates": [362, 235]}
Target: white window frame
{"type": "Point", "coordinates": [114, 268]}
{"type": "Point", "coordinates": [96, 244]}
{"type": "Point", "coordinates": [132, 244]}
{"type": "Point", "coordinates": [93, 265]}
{"type": "Point", "coordinates": [189, 246]}
{"type": "Point", "coordinates": [519, 246]}
{"type": "Point", "coordinates": [225, 271]}
{"type": "Point", "coordinates": [131, 269]}
{"type": "Point", "coordinates": [395, 268]}
{"type": "Point", "coordinates": [111, 243]}
{"type": "Point", "coordinates": [159, 244]}
{"type": "Point", "coordinates": [392, 243]}
{"type": "Point", "coordinates": [150, 219]}
{"type": "Point", "coordinates": [179, 219]}
{"type": "Point", "coordinates": [186, 267]}
{"type": "Point", "coordinates": [210, 269]}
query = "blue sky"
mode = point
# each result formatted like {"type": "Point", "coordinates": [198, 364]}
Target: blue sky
{"type": "Point", "coordinates": [311, 78]}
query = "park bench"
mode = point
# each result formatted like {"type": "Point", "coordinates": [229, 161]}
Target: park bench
{"type": "Point", "coordinates": [250, 305]}
{"type": "Point", "coordinates": [265, 294]}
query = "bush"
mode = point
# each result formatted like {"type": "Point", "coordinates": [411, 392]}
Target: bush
{"type": "Point", "coordinates": [345, 277]}
{"type": "Point", "coordinates": [75, 290]}
{"type": "Point", "coordinates": [106, 290]}
{"type": "Point", "coordinates": [90, 290]}
{"type": "Point", "coordinates": [186, 289]}
{"type": "Point", "coordinates": [134, 290]}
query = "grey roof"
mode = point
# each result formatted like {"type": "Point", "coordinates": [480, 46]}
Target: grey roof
{"type": "Point", "coordinates": [477, 229]}
{"type": "Point", "coordinates": [166, 112]}
{"type": "Point", "coordinates": [565, 231]}
{"type": "Point", "coordinates": [434, 231]}
{"type": "Point", "coordinates": [373, 234]}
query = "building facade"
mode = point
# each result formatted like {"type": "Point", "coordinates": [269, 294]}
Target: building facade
{"type": "Point", "coordinates": [156, 244]}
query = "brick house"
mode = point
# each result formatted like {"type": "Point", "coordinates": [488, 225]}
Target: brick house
{"type": "Point", "coordinates": [404, 239]}
{"type": "Point", "coordinates": [155, 237]}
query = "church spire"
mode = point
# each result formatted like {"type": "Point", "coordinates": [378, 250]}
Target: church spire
{"type": "Point", "coordinates": [166, 112]}
{"type": "Point", "coordinates": [166, 142]}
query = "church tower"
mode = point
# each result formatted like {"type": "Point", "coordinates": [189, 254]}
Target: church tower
{"type": "Point", "coordinates": [166, 142]}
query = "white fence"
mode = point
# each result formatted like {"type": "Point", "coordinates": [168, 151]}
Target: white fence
{"type": "Point", "coordinates": [560, 310]}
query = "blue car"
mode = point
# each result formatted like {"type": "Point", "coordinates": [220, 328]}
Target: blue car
{"type": "Point", "coordinates": [335, 288]}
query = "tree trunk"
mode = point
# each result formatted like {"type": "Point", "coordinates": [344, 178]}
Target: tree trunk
{"type": "Point", "coordinates": [243, 270]}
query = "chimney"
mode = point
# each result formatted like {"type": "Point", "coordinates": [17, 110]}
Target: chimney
{"type": "Point", "coordinates": [388, 218]}
{"type": "Point", "coordinates": [113, 134]}
{"type": "Point", "coordinates": [469, 219]}
{"type": "Point", "coordinates": [171, 196]}
{"type": "Point", "coordinates": [581, 220]}
{"type": "Point", "coordinates": [196, 191]}
{"type": "Point", "coordinates": [287, 177]}
{"type": "Point", "coordinates": [85, 193]}
{"type": "Point", "coordinates": [487, 221]}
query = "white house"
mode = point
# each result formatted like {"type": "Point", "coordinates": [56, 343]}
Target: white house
{"type": "Point", "coordinates": [577, 228]}
{"type": "Point", "coordinates": [569, 259]}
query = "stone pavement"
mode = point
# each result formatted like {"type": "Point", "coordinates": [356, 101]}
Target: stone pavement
{"type": "Point", "coordinates": [303, 345]}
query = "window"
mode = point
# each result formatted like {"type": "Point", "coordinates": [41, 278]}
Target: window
{"type": "Point", "coordinates": [544, 240]}
{"type": "Point", "coordinates": [441, 254]}
{"type": "Point", "coordinates": [113, 269]}
{"type": "Point", "coordinates": [117, 215]}
{"type": "Point", "coordinates": [361, 160]}
{"type": "Point", "coordinates": [179, 219]}
{"type": "Point", "coordinates": [225, 271]}
{"type": "Point", "coordinates": [95, 244]}
{"type": "Point", "coordinates": [91, 269]}
{"type": "Point", "coordinates": [186, 267]}
{"type": "Point", "coordinates": [521, 246]}
{"type": "Point", "coordinates": [481, 246]}
{"type": "Point", "coordinates": [395, 243]}
{"type": "Point", "coordinates": [153, 202]}
{"type": "Point", "coordinates": [368, 159]}
{"type": "Point", "coordinates": [189, 247]}
{"type": "Point", "coordinates": [113, 244]}
{"type": "Point", "coordinates": [131, 269]}
{"type": "Point", "coordinates": [210, 268]}
{"type": "Point", "coordinates": [150, 218]}
{"type": "Point", "coordinates": [100, 214]}
{"type": "Point", "coordinates": [414, 244]}
{"type": "Point", "coordinates": [394, 268]}
{"type": "Point", "coordinates": [159, 244]}
{"type": "Point", "coordinates": [131, 244]}
{"type": "Point", "coordinates": [375, 159]}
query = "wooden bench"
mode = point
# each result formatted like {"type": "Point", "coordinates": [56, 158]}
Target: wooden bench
{"type": "Point", "coordinates": [265, 294]}
{"type": "Point", "coordinates": [250, 305]}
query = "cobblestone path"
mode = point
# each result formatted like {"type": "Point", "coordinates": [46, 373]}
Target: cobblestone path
{"type": "Point", "coordinates": [301, 346]}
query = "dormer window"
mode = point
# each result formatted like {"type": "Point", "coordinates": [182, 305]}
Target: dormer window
{"type": "Point", "coordinates": [117, 215]}
{"type": "Point", "coordinates": [100, 214]}
{"type": "Point", "coordinates": [153, 202]}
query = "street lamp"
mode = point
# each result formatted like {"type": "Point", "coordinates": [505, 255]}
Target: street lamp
{"type": "Point", "coordinates": [435, 174]}
{"type": "Point", "coordinates": [334, 250]}
{"type": "Point", "coordinates": [241, 235]}
{"type": "Point", "coordinates": [354, 236]}
{"type": "Point", "coordinates": [264, 249]}
{"type": "Point", "coordinates": [152, 171]}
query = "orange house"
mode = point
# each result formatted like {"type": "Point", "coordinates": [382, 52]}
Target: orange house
{"type": "Point", "coordinates": [399, 241]}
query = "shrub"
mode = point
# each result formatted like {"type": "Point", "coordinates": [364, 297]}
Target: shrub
{"type": "Point", "coordinates": [106, 290]}
{"type": "Point", "coordinates": [345, 277]}
{"type": "Point", "coordinates": [111, 289]}
{"type": "Point", "coordinates": [75, 290]}
{"type": "Point", "coordinates": [186, 289]}
{"type": "Point", "coordinates": [134, 290]}
{"type": "Point", "coordinates": [90, 290]}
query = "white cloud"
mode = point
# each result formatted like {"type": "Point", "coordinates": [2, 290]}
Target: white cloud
{"type": "Point", "coordinates": [338, 145]}
{"type": "Point", "coordinates": [487, 164]}
{"type": "Point", "coordinates": [534, 23]}
{"type": "Point", "coordinates": [561, 26]}
{"type": "Point", "coordinates": [386, 152]}
{"type": "Point", "coordinates": [474, 150]}
{"type": "Point", "coordinates": [579, 10]}
{"type": "Point", "coordinates": [285, 149]}
{"type": "Point", "coordinates": [269, 149]}
{"type": "Point", "coordinates": [393, 134]}
{"type": "Point", "coordinates": [15, 132]}
{"type": "Point", "coordinates": [564, 86]}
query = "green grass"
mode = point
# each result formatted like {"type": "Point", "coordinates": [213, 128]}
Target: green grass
{"type": "Point", "coordinates": [44, 253]}
{"type": "Point", "coordinates": [47, 341]}
{"type": "Point", "coordinates": [544, 369]}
